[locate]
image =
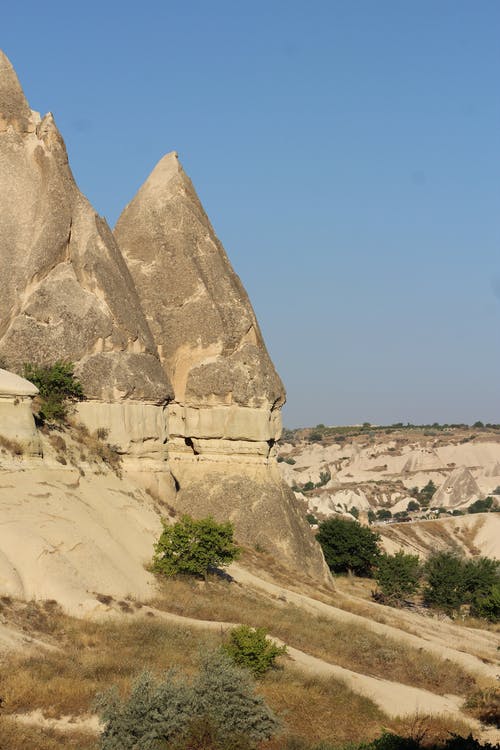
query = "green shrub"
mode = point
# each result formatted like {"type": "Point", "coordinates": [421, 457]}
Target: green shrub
{"type": "Point", "coordinates": [250, 648]}
{"type": "Point", "coordinates": [348, 546]}
{"type": "Point", "coordinates": [221, 698]}
{"type": "Point", "coordinates": [58, 388]}
{"type": "Point", "coordinates": [446, 582]}
{"type": "Point", "coordinates": [194, 547]}
{"type": "Point", "coordinates": [398, 576]}
{"type": "Point", "coordinates": [484, 505]}
{"type": "Point", "coordinates": [487, 604]}
{"type": "Point", "coordinates": [384, 514]}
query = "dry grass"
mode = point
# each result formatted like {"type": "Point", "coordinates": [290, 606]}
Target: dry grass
{"type": "Point", "coordinates": [349, 645]}
{"type": "Point", "coordinates": [16, 736]}
{"type": "Point", "coordinates": [12, 446]}
{"type": "Point", "coordinates": [316, 710]}
{"type": "Point", "coordinates": [92, 657]}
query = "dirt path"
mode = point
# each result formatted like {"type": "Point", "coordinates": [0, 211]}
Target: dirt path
{"type": "Point", "coordinates": [429, 640]}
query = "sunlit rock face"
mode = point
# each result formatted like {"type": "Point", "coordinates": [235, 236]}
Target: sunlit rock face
{"type": "Point", "coordinates": [66, 291]}
{"type": "Point", "coordinates": [225, 416]}
{"type": "Point", "coordinates": [159, 327]}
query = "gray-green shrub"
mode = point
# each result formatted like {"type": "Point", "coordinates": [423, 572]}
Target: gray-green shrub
{"type": "Point", "coordinates": [158, 712]}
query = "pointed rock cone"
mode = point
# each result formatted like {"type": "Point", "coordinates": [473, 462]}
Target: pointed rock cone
{"type": "Point", "coordinates": [66, 290]}
{"type": "Point", "coordinates": [226, 415]}
{"type": "Point", "coordinates": [200, 315]}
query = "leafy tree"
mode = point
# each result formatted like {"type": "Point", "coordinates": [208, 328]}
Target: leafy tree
{"type": "Point", "coordinates": [194, 546]}
{"type": "Point", "coordinates": [384, 514]}
{"type": "Point", "coordinates": [413, 505]}
{"type": "Point", "coordinates": [426, 494]}
{"type": "Point", "coordinates": [250, 648]}
{"type": "Point", "coordinates": [354, 512]}
{"type": "Point", "coordinates": [311, 519]}
{"type": "Point", "coordinates": [487, 604]}
{"type": "Point", "coordinates": [481, 574]}
{"type": "Point", "coordinates": [58, 388]}
{"type": "Point", "coordinates": [158, 712]}
{"type": "Point", "coordinates": [398, 576]}
{"type": "Point", "coordinates": [372, 516]}
{"type": "Point", "coordinates": [446, 581]}
{"type": "Point", "coordinates": [483, 505]}
{"type": "Point", "coordinates": [348, 546]}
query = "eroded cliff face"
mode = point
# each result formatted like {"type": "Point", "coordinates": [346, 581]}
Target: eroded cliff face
{"type": "Point", "coordinates": [159, 327]}
{"type": "Point", "coordinates": [66, 291]}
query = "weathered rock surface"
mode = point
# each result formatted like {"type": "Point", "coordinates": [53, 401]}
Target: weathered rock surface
{"type": "Point", "coordinates": [66, 291]}
{"type": "Point", "coordinates": [225, 416]}
{"type": "Point", "coordinates": [202, 320]}
{"type": "Point", "coordinates": [71, 534]}
{"type": "Point", "coordinates": [17, 426]}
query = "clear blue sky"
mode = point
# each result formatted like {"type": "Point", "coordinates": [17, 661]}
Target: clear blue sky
{"type": "Point", "coordinates": [348, 154]}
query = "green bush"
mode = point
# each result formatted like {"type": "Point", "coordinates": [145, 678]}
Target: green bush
{"type": "Point", "coordinates": [250, 648]}
{"type": "Point", "coordinates": [58, 388]}
{"type": "Point", "coordinates": [484, 505]}
{"type": "Point", "coordinates": [193, 547]}
{"type": "Point", "coordinates": [398, 576]}
{"type": "Point", "coordinates": [348, 546]}
{"type": "Point", "coordinates": [446, 586]}
{"type": "Point", "coordinates": [166, 713]}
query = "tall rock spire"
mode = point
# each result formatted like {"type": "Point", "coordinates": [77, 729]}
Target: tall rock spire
{"type": "Point", "coordinates": [225, 417]}
{"type": "Point", "coordinates": [206, 331]}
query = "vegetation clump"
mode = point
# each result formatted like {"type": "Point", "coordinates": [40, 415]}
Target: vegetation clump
{"type": "Point", "coordinates": [398, 576]}
{"type": "Point", "coordinates": [348, 546]}
{"type": "Point", "coordinates": [58, 388]}
{"type": "Point", "coordinates": [220, 702]}
{"type": "Point", "coordinates": [251, 648]}
{"type": "Point", "coordinates": [194, 547]}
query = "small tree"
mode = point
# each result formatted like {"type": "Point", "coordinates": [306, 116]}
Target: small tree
{"type": "Point", "coordinates": [348, 546]}
{"type": "Point", "coordinates": [194, 546]}
{"type": "Point", "coordinates": [398, 576]}
{"type": "Point", "coordinates": [384, 514]}
{"type": "Point", "coordinates": [412, 506]}
{"type": "Point", "coordinates": [58, 387]}
{"type": "Point", "coordinates": [446, 582]}
{"type": "Point", "coordinates": [250, 648]}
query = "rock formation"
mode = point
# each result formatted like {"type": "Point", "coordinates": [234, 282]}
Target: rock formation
{"type": "Point", "coordinates": [66, 291]}
{"type": "Point", "coordinates": [160, 330]}
{"type": "Point", "coordinates": [225, 416]}
{"type": "Point", "coordinates": [17, 426]}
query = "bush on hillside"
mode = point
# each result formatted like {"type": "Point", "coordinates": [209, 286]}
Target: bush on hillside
{"type": "Point", "coordinates": [484, 505]}
{"type": "Point", "coordinates": [398, 576]}
{"type": "Point", "coordinates": [446, 586]}
{"type": "Point", "coordinates": [348, 546]}
{"type": "Point", "coordinates": [193, 547]}
{"type": "Point", "coordinates": [58, 388]}
{"type": "Point", "coordinates": [220, 701]}
{"type": "Point", "coordinates": [250, 648]}
{"type": "Point", "coordinates": [452, 581]}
